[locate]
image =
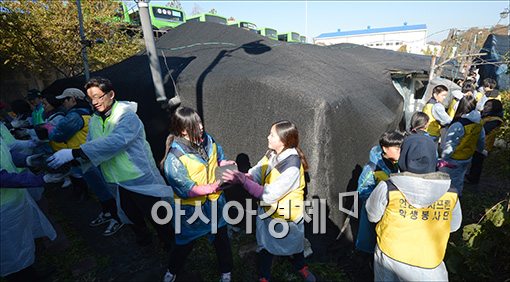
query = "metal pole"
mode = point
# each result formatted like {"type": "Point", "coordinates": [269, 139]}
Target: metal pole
{"type": "Point", "coordinates": [432, 68]}
{"type": "Point", "coordinates": [83, 42]}
{"type": "Point", "coordinates": [143, 9]}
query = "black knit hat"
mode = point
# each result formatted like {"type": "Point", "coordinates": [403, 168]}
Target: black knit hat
{"type": "Point", "coordinates": [418, 154]}
{"type": "Point", "coordinates": [33, 93]}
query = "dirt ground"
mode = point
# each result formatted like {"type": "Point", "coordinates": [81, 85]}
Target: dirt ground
{"type": "Point", "coordinates": [86, 255]}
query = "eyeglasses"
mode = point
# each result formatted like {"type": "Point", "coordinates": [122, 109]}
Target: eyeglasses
{"type": "Point", "coordinates": [100, 98]}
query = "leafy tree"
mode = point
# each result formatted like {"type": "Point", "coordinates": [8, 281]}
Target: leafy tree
{"type": "Point", "coordinates": [43, 35]}
{"type": "Point", "coordinates": [469, 41]}
{"type": "Point", "coordinates": [213, 11]}
{"type": "Point", "coordinates": [175, 4]}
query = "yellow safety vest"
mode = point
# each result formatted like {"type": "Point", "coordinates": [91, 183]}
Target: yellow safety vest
{"type": "Point", "coordinates": [290, 207]}
{"type": "Point", "coordinates": [434, 128]}
{"type": "Point", "coordinates": [415, 236]}
{"type": "Point", "coordinates": [119, 168]}
{"type": "Point", "coordinates": [8, 195]}
{"type": "Point", "coordinates": [198, 171]}
{"type": "Point", "coordinates": [467, 145]}
{"type": "Point", "coordinates": [479, 96]}
{"type": "Point", "coordinates": [76, 140]}
{"type": "Point", "coordinates": [491, 137]}
{"type": "Point", "coordinates": [451, 108]}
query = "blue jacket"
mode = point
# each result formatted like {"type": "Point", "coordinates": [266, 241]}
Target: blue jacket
{"type": "Point", "coordinates": [367, 182]}
{"type": "Point", "coordinates": [69, 125]}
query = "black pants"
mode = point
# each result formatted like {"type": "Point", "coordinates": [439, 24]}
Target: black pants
{"type": "Point", "coordinates": [110, 206]}
{"type": "Point", "coordinates": [26, 274]}
{"type": "Point", "coordinates": [265, 261]}
{"type": "Point", "coordinates": [221, 243]}
{"type": "Point", "coordinates": [476, 168]}
{"type": "Point", "coordinates": [137, 207]}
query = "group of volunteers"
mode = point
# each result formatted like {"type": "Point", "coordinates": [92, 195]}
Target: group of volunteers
{"type": "Point", "coordinates": [411, 187]}
{"type": "Point", "coordinates": [105, 149]}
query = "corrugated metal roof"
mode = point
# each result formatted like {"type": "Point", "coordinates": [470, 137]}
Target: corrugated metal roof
{"type": "Point", "coordinates": [373, 30]}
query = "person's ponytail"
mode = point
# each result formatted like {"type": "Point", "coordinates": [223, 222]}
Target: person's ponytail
{"type": "Point", "coordinates": [168, 144]}
{"type": "Point", "coordinates": [304, 162]}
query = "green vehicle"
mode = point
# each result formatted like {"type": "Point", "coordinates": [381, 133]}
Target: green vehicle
{"type": "Point", "coordinates": [205, 17]}
{"type": "Point", "coordinates": [164, 17]}
{"type": "Point", "coordinates": [302, 39]}
{"type": "Point", "coordinates": [122, 13]}
{"type": "Point", "coordinates": [269, 32]}
{"type": "Point", "coordinates": [246, 25]}
{"type": "Point", "coordinates": [289, 37]}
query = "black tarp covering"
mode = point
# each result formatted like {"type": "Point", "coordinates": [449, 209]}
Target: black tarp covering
{"type": "Point", "coordinates": [341, 99]}
{"type": "Point", "coordinates": [496, 47]}
{"type": "Point", "coordinates": [398, 62]}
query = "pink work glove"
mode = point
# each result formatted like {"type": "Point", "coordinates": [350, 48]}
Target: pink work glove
{"type": "Point", "coordinates": [237, 177]}
{"type": "Point", "coordinates": [442, 163]}
{"type": "Point", "coordinates": [200, 190]}
{"type": "Point", "coordinates": [225, 162]}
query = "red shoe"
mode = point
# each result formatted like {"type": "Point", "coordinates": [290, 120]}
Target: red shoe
{"type": "Point", "coordinates": [306, 274]}
{"type": "Point", "coordinates": [263, 279]}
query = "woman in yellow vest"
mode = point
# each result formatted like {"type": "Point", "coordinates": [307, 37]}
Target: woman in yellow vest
{"type": "Point", "coordinates": [437, 112]}
{"type": "Point", "coordinates": [487, 92]}
{"type": "Point", "coordinates": [465, 135]}
{"type": "Point", "coordinates": [415, 211]}
{"type": "Point", "coordinates": [190, 162]}
{"type": "Point", "coordinates": [492, 120]}
{"type": "Point", "coordinates": [278, 180]}
{"type": "Point", "coordinates": [467, 89]}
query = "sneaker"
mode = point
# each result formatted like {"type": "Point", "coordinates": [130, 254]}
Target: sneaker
{"type": "Point", "coordinates": [169, 277]}
{"type": "Point", "coordinates": [306, 274]}
{"type": "Point", "coordinates": [113, 227]}
{"type": "Point", "coordinates": [102, 218]}
{"type": "Point", "coordinates": [263, 279]}
{"type": "Point", "coordinates": [226, 277]}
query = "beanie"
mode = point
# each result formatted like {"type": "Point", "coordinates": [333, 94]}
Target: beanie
{"type": "Point", "coordinates": [418, 154]}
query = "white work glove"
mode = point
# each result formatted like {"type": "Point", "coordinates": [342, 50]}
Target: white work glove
{"type": "Point", "coordinates": [30, 160]}
{"type": "Point", "coordinates": [485, 153]}
{"type": "Point", "coordinates": [60, 157]}
{"type": "Point", "coordinates": [54, 177]}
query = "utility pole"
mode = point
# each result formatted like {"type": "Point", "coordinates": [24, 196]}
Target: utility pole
{"type": "Point", "coordinates": [143, 9]}
{"type": "Point", "coordinates": [84, 43]}
{"type": "Point", "coordinates": [445, 52]}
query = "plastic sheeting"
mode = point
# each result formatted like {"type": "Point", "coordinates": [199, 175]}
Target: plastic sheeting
{"type": "Point", "coordinates": [491, 65]}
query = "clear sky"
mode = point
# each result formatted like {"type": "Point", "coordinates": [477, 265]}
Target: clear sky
{"type": "Point", "coordinates": [311, 18]}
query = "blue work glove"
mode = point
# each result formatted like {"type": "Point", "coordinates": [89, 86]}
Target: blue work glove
{"type": "Point", "coordinates": [60, 157]}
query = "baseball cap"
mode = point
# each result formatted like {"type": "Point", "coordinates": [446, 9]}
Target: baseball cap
{"type": "Point", "coordinates": [33, 93]}
{"type": "Point", "coordinates": [71, 92]}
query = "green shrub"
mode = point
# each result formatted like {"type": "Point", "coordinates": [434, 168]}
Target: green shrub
{"type": "Point", "coordinates": [504, 133]}
{"type": "Point", "coordinates": [483, 253]}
